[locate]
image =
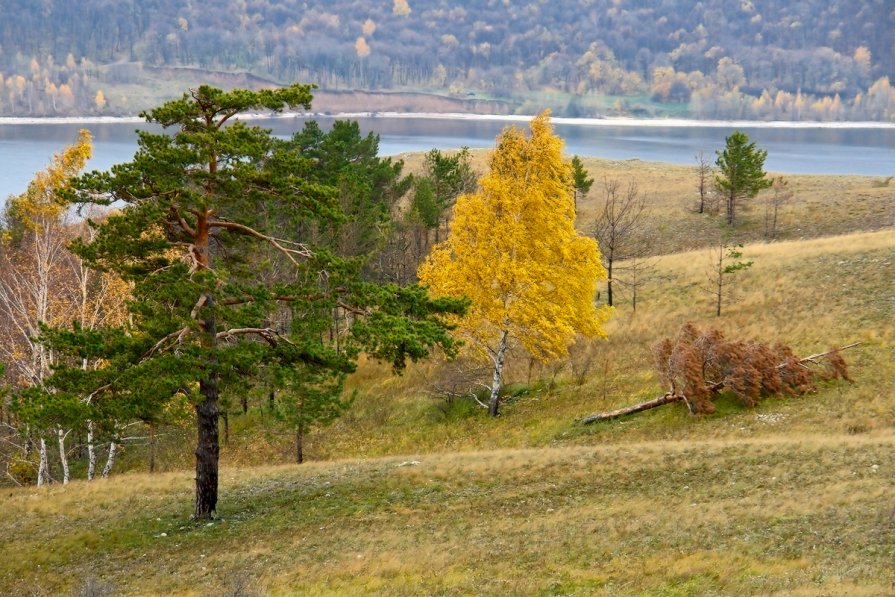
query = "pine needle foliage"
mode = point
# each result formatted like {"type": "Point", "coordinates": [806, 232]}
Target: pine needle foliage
{"type": "Point", "coordinates": [229, 290]}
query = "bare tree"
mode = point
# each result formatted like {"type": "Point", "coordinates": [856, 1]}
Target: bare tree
{"type": "Point", "coordinates": [619, 232]}
{"type": "Point", "coordinates": [704, 181]}
{"type": "Point", "coordinates": [638, 271]}
{"type": "Point", "coordinates": [779, 196]}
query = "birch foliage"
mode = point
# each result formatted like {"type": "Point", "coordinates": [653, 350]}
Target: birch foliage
{"type": "Point", "coordinates": [514, 252]}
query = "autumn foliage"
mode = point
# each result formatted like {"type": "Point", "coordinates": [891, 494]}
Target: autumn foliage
{"type": "Point", "coordinates": [514, 252]}
{"type": "Point", "coordinates": [699, 363]}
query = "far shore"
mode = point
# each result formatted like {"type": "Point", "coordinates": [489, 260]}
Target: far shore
{"type": "Point", "coordinates": [594, 122]}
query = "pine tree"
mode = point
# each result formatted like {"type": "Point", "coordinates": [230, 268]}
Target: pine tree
{"type": "Point", "coordinates": [514, 252]}
{"type": "Point", "coordinates": [741, 172]}
{"type": "Point", "coordinates": [226, 289]}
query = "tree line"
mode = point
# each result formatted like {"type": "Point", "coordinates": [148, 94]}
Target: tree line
{"type": "Point", "coordinates": [220, 264]}
{"type": "Point", "coordinates": [765, 59]}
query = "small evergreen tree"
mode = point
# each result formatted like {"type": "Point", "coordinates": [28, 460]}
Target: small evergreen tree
{"type": "Point", "coordinates": [581, 180]}
{"type": "Point", "coordinates": [740, 173]}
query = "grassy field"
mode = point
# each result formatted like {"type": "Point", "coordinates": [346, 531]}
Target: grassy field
{"type": "Point", "coordinates": [794, 514]}
{"type": "Point", "coordinates": [410, 494]}
{"type": "Point", "coordinates": [822, 205]}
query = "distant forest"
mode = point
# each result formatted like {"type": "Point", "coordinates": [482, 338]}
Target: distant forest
{"type": "Point", "coordinates": [763, 59]}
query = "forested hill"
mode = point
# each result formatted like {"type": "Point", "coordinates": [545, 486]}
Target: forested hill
{"type": "Point", "coordinates": [767, 59]}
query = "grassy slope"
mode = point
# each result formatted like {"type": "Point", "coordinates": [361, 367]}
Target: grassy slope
{"type": "Point", "coordinates": [808, 515]}
{"type": "Point", "coordinates": [783, 499]}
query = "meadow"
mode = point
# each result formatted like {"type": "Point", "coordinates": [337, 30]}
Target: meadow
{"type": "Point", "coordinates": [412, 493]}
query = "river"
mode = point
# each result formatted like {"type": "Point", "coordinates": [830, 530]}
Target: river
{"type": "Point", "coordinates": [26, 147]}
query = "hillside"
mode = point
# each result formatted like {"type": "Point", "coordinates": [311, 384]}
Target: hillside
{"type": "Point", "coordinates": [411, 492]}
{"type": "Point", "coordinates": [784, 515]}
{"type": "Point", "coordinates": [823, 282]}
{"type": "Point", "coordinates": [763, 59]}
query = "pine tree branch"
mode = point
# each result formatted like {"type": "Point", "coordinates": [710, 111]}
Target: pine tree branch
{"type": "Point", "coordinates": [278, 243]}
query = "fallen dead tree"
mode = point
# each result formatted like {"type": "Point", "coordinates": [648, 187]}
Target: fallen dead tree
{"type": "Point", "coordinates": [697, 365]}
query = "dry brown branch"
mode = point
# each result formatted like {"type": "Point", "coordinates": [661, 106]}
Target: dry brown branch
{"type": "Point", "coordinates": [272, 336]}
{"type": "Point", "coordinates": [748, 370]}
{"type": "Point", "coordinates": [176, 335]}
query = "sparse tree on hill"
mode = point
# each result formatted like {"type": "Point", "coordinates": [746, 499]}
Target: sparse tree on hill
{"type": "Point", "coordinates": [513, 251]}
{"type": "Point", "coordinates": [703, 180]}
{"type": "Point", "coordinates": [618, 230]}
{"type": "Point", "coordinates": [581, 180]}
{"type": "Point", "coordinates": [779, 196]}
{"type": "Point", "coordinates": [725, 260]}
{"type": "Point", "coordinates": [740, 173]}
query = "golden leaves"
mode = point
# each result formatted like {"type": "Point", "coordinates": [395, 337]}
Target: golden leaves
{"type": "Point", "coordinates": [40, 204]}
{"type": "Point", "coordinates": [514, 252]}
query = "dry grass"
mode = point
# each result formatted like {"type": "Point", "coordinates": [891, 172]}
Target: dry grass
{"type": "Point", "coordinates": [821, 206]}
{"type": "Point", "coordinates": [811, 295]}
{"type": "Point", "coordinates": [793, 497]}
{"type": "Point", "coordinates": [747, 517]}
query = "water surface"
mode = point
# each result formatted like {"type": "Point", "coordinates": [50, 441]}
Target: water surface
{"type": "Point", "coordinates": [27, 148]}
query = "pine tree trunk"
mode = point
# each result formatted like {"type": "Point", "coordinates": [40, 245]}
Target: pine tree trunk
{"type": "Point", "coordinates": [91, 452]}
{"type": "Point", "coordinates": [207, 449]}
{"type": "Point", "coordinates": [497, 380]}
{"type": "Point", "coordinates": [731, 207]}
{"type": "Point", "coordinates": [110, 461]}
{"type": "Point", "coordinates": [63, 458]}
{"type": "Point", "coordinates": [299, 445]}
{"type": "Point", "coordinates": [43, 470]}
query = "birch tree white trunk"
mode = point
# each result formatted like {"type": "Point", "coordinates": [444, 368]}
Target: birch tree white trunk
{"type": "Point", "coordinates": [63, 458]}
{"type": "Point", "coordinates": [110, 461]}
{"type": "Point", "coordinates": [497, 379]}
{"type": "Point", "coordinates": [43, 470]}
{"type": "Point", "coordinates": [91, 452]}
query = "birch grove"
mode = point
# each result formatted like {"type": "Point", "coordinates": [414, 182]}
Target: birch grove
{"type": "Point", "coordinates": [43, 283]}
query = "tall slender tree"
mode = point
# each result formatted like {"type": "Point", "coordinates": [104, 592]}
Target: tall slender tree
{"type": "Point", "coordinates": [226, 282]}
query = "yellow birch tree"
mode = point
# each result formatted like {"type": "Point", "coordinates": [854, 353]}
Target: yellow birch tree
{"type": "Point", "coordinates": [41, 282]}
{"type": "Point", "coordinates": [33, 275]}
{"type": "Point", "coordinates": [514, 252]}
